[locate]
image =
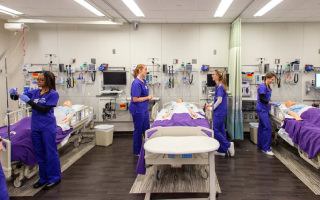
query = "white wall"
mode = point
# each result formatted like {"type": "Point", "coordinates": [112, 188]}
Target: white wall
{"type": "Point", "coordinates": [13, 43]}
{"type": "Point", "coordinates": [287, 42]}
{"type": "Point", "coordinates": [162, 41]}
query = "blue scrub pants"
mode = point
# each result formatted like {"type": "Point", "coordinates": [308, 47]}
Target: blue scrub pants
{"type": "Point", "coordinates": [264, 131]}
{"type": "Point", "coordinates": [141, 123]}
{"type": "Point", "coordinates": [3, 186]}
{"type": "Point", "coordinates": [220, 133]}
{"type": "Point", "coordinates": [45, 148]}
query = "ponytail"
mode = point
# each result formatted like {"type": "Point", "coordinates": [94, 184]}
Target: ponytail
{"type": "Point", "coordinates": [137, 70]}
{"type": "Point", "coordinates": [222, 78]}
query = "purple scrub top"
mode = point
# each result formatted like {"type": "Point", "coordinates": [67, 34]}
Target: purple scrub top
{"type": "Point", "coordinates": [41, 121]}
{"type": "Point", "coordinates": [222, 109]}
{"type": "Point", "coordinates": [263, 89]}
{"type": "Point", "coordinates": [139, 89]}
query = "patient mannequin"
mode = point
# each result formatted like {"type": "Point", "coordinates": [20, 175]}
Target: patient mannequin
{"type": "Point", "coordinates": [193, 114]}
{"type": "Point", "coordinates": [293, 109]}
{"type": "Point", "coordinates": [68, 110]}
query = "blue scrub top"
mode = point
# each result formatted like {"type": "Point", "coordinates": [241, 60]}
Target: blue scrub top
{"type": "Point", "coordinates": [139, 89]}
{"type": "Point", "coordinates": [222, 109]}
{"type": "Point", "coordinates": [41, 121]}
{"type": "Point", "coordinates": [263, 89]}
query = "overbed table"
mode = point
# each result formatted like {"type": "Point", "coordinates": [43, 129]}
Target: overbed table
{"type": "Point", "coordinates": [187, 145]}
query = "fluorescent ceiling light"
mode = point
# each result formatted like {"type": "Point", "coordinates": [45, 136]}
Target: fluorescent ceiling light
{"type": "Point", "coordinates": [90, 7]}
{"type": "Point", "coordinates": [267, 7]}
{"type": "Point", "coordinates": [222, 8]}
{"type": "Point", "coordinates": [9, 10]}
{"type": "Point", "coordinates": [131, 4]}
{"type": "Point", "coordinates": [5, 12]}
{"type": "Point", "coordinates": [31, 21]}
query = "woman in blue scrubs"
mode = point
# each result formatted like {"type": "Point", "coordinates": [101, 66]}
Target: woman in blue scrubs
{"type": "Point", "coordinates": [219, 108]}
{"type": "Point", "coordinates": [139, 106]}
{"type": "Point", "coordinates": [44, 129]}
{"type": "Point", "coordinates": [3, 186]}
{"type": "Point", "coordinates": [263, 107]}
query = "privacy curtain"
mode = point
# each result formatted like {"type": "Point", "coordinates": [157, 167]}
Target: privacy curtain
{"type": "Point", "coordinates": [234, 117]}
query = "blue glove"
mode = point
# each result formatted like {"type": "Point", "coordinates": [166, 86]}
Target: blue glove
{"type": "Point", "coordinates": [13, 91]}
{"type": "Point", "coordinates": [276, 104]}
{"type": "Point", "coordinates": [24, 98]}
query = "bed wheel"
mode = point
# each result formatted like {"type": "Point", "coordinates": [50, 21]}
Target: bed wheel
{"type": "Point", "coordinates": [17, 183]}
{"type": "Point", "coordinates": [158, 175]}
{"type": "Point", "coordinates": [204, 173]}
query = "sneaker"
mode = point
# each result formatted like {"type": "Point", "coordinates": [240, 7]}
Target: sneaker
{"type": "Point", "coordinates": [219, 154]}
{"type": "Point", "coordinates": [269, 153]}
{"type": "Point", "coordinates": [231, 150]}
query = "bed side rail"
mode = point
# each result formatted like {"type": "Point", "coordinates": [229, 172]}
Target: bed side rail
{"type": "Point", "coordinates": [5, 158]}
{"type": "Point", "coordinates": [154, 111]}
{"type": "Point", "coordinates": [80, 116]}
{"type": "Point", "coordinates": [17, 115]}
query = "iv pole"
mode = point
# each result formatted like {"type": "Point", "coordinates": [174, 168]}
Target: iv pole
{"type": "Point", "coordinates": [6, 74]}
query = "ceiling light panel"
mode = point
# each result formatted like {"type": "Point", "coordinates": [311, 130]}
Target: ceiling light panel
{"type": "Point", "coordinates": [131, 4]}
{"type": "Point", "coordinates": [90, 7]}
{"type": "Point", "coordinates": [9, 10]}
{"type": "Point", "coordinates": [222, 8]}
{"type": "Point", "coordinates": [267, 7]}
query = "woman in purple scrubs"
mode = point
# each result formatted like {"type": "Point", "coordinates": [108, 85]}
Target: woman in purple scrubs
{"type": "Point", "coordinates": [44, 129]}
{"type": "Point", "coordinates": [139, 106]}
{"type": "Point", "coordinates": [263, 107]}
{"type": "Point", "coordinates": [219, 108]}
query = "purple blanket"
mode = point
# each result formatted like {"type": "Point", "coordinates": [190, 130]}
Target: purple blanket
{"type": "Point", "coordinates": [21, 142]}
{"type": "Point", "coordinates": [178, 119]}
{"type": "Point", "coordinates": [306, 133]}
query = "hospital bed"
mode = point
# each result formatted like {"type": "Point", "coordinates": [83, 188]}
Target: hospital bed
{"type": "Point", "coordinates": [180, 124]}
{"type": "Point", "coordinates": [18, 158]}
{"type": "Point", "coordinates": [303, 135]}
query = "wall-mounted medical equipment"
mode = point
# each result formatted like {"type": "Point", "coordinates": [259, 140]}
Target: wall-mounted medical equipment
{"type": "Point", "coordinates": [149, 78]}
{"type": "Point", "coordinates": [247, 76]}
{"type": "Point", "coordinates": [266, 68]}
{"type": "Point", "coordinates": [317, 81]}
{"type": "Point", "coordinates": [70, 79]}
{"type": "Point", "coordinates": [295, 67]}
{"type": "Point", "coordinates": [91, 67]}
{"type": "Point", "coordinates": [114, 78]}
{"type": "Point", "coordinates": [258, 79]}
{"type": "Point", "coordinates": [308, 68]}
{"type": "Point", "coordinates": [246, 89]}
{"type": "Point", "coordinates": [205, 68]}
{"type": "Point", "coordinates": [189, 75]}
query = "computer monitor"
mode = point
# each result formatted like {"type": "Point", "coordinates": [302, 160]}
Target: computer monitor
{"type": "Point", "coordinates": [212, 83]}
{"type": "Point", "coordinates": [114, 78]}
{"type": "Point", "coordinates": [317, 79]}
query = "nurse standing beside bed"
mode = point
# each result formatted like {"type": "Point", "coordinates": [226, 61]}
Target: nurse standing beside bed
{"type": "Point", "coordinates": [139, 106]}
{"type": "Point", "coordinates": [219, 109]}
{"type": "Point", "coordinates": [263, 107]}
{"type": "Point", "coordinates": [44, 129]}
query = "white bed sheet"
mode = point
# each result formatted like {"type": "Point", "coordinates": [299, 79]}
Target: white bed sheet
{"type": "Point", "coordinates": [179, 108]}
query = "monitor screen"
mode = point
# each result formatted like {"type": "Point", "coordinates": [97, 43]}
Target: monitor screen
{"type": "Point", "coordinates": [212, 83]}
{"type": "Point", "coordinates": [114, 78]}
{"type": "Point", "coordinates": [317, 85]}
